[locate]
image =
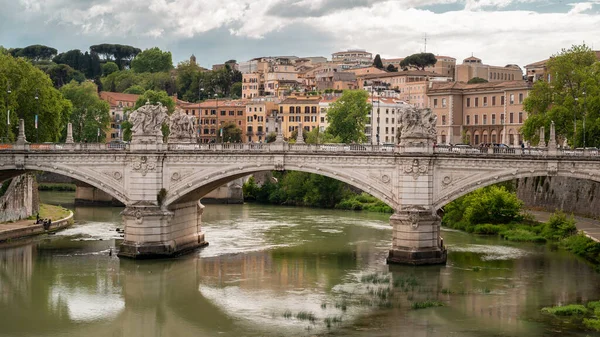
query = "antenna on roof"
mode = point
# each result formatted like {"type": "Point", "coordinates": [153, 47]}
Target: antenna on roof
{"type": "Point", "coordinates": [425, 38]}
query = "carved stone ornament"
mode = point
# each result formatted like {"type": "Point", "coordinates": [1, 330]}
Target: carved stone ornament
{"type": "Point", "coordinates": [447, 180]}
{"type": "Point", "coordinates": [415, 169]}
{"type": "Point", "coordinates": [417, 123]}
{"type": "Point", "coordinates": [181, 127]}
{"type": "Point", "coordinates": [175, 176]}
{"type": "Point", "coordinates": [148, 119]}
{"type": "Point", "coordinates": [413, 217]}
{"type": "Point", "coordinates": [141, 164]}
{"type": "Point", "coordinates": [385, 178]}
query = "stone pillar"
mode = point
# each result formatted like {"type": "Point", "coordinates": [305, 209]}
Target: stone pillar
{"type": "Point", "coordinates": [542, 143]}
{"type": "Point", "coordinates": [21, 140]}
{"type": "Point", "coordinates": [300, 137]}
{"type": "Point", "coordinates": [416, 238]}
{"type": "Point", "coordinates": [153, 232]}
{"type": "Point", "coordinates": [69, 134]}
{"type": "Point", "coordinates": [279, 138]}
{"type": "Point", "coordinates": [552, 151]}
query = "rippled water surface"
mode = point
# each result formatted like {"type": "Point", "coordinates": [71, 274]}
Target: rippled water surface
{"type": "Point", "coordinates": [278, 271]}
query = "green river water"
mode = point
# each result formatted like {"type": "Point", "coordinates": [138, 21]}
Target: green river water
{"type": "Point", "coordinates": [279, 271]}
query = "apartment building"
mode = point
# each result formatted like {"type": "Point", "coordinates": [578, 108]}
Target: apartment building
{"type": "Point", "coordinates": [269, 77]}
{"type": "Point", "coordinates": [213, 114]}
{"type": "Point", "coordinates": [258, 113]}
{"type": "Point", "coordinates": [473, 67]}
{"type": "Point", "coordinates": [479, 113]}
{"type": "Point", "coordinates": [384, 119]}
{"type": "Point", "coordinates": [324, 104]}
{"type": "Point", "coordinates": [119, 103]}
{"type": "Point", "coordinates": [352, 58]}
{"type": "Point", "coordinates": [296, 110]}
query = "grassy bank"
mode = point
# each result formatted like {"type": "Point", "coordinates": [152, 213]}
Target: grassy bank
{"type": "Point", "coordinates": [52, 212]}
{"type": "Point", "coordinates": [57, 187]}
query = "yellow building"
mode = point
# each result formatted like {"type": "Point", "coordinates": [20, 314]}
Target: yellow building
{"type": "Point", "coordinates": [299, 110]}
{"type": "Point", "coordinates": [258, 112]}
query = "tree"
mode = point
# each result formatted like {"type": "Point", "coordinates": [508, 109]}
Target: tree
{"type": "Point", "coordinates": [377, 63]}
{"type": "Point", "coordinates": [348, 116]}
{"type": "Point", "coordinates": [231, 133]}
{"type": "Point", "coordinates": [36, 52]}
{"type": "Point", "coordinates": [271, 137]}
{"type": "Point", "coordinates": [476, 80]}
{"type": "Point", "coordinates": [90, 113]}
{"type": "Point", "coordinates": [135, 90]}
{"type": "Point", "coordinates": [390, 68]}
{"type": "Point", "coordinates": [26, 82]}
{"type": "Point", "coordinates": [61, 74]}
{"type": "Point", "coordinates": [572, 94]}
{"type": "Point", "coordinates": [188, 81]}
{"type": "Point", "coordinates": [109, 68]}
{"type": "Point", "coordinates": [152, 60]}
{"type": "Point", "coordinates": [418, 61]}
{"type": "Point", "coordinates": [121, 54]}
{"type": "Point", "coordinates": [236, 90]}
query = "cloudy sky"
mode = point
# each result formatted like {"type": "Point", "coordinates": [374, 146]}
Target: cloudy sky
{"type": "Point", "coordinates": [498, 31]}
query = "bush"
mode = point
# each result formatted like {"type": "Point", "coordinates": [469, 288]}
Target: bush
{"type": "Point", "coordinates": [592, 323]}
{"type": "Point", "coordinates": [426, 304]}
{"type": "Point", "coordinates": [567, 310]}
{"type": "Point", "coordinates": [521, 235]}
{"type": "Point", "coordinates": [583, 246]}
{"type": "Point", "coordinates": [559, 227]}
{"type": "Point", "coordinates": [489, 229]}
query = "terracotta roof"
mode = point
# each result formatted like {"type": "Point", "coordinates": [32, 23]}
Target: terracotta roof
{"type": "Point", "coordinates": [446, 86]}
{"type": "Point", "coordinates": [213, 103]}
{"type": "Point", "coordinates": [403, 73]}
{"type": "Point", "coordinates": [118, 96]}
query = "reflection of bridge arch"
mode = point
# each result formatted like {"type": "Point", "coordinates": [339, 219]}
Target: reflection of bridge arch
{"type": "Point", "coordinates": [201, 183]}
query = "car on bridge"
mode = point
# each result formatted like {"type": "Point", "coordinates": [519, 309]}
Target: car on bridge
{"type": "Point", "coordinates": [464, 148]}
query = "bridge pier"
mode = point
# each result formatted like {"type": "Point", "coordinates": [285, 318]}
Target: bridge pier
{"type": "Point", "coordinates": [416, 238]}
{"type": "Point", "coordinates": [154, 232]}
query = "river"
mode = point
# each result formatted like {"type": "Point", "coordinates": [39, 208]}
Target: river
{"type": "Point", "coordinates": [279, 271]}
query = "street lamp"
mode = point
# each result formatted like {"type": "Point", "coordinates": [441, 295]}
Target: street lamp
{"type": "Point", "coordinates": [584, 113]}
{"type": "Point", "coordinates": [37, 100]}
{"type": "Point", "coordinates": [217, 111]}
{"type": "Point", "coordinates": [7, 112]}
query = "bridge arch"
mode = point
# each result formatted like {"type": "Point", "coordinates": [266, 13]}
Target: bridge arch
{"type": "Point", "coordinates": [201, 183]}
{"type": "Point", "coordinates": [104, 183]}
{"type": "Point", "coordinates": [456, 192]}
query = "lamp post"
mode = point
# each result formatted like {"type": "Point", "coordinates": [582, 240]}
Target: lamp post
{"type": "Point", "coordinates": [37, 100]}
{"type": "Point", "coordinates": [584, 113]}
{"type": "Point", "coordinates": [7, 112]}
{"type": "Point", "coordinates": [217, 111]}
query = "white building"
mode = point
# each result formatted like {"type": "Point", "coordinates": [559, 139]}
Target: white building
{"type": "Point", "coordinates": [384, 119]}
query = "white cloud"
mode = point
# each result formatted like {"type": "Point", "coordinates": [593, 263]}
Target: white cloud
{"type": "Point", "coordinates": [388, 27]}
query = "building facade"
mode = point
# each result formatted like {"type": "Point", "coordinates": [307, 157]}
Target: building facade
{"type": "Point", "coordinates": [258, 113]}
{"type": "Point", "coordinates": [296, 110]}
{"type": "Point", "coordinates": [119, 104]}
{"type": "Point", "coordinates": [479, 113]}
{"type": "Point", "coordinates": [445, 65]}
{"type": "Point", "coordinates": [353, 58]}
{"type": "Point", "coordinates": [473, 67]}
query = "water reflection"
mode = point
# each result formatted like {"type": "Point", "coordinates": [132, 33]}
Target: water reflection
{"type": "Point", "coordinates": [265, 266]}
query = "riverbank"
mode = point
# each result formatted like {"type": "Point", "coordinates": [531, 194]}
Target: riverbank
{"type": "Point", "coordinates": [590, 227]}
{"type": "Point", "coordinates": [61, 218]}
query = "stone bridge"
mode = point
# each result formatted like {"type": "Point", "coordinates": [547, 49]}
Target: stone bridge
{"type": "Point", "coordinates": [161, 184]}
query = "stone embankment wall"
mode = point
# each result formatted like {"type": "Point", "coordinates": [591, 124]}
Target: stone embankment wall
{"type": "Point", "coordinates": [20, 200]}
{"type": "Point", "coordinates": [571, 195]}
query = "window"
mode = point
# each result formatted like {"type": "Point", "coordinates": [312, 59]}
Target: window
{"type": "Point", "coordinates": [306, 109]}
{"type": "Point", "coordinates": [291, 110]}
{"type": "Point", "coordinates": [213, 112]}
{"type": "Point", "coordinates": [502, 118]}
{"type": "Point", "coordinates": [249, 119]}
{"type": "Point", "coordinates": [468, 120]}
{"type": "Point", "coordinates": [443, 119]}
{"type": "Point", "coordinates": [291, 119]}
{"type": "Point", "coordinates": [443, 102]}
{"type": "Point", "coordinates": [476, 101]}
{"type": "Point", "coordinates": [240, 113]}
{"type": "Point", "coordinates": [484, 120]}
{"type": "Point", "coordinates": [223, 112]}
{"type": "Point", "coordinates": [468, 103]}
{"type": "Point", "coordinates": [298, 110]}
{"type": "Point", "coordinates": [476, 119]}
{"type": "Point", "coordinates": [520, 98]}
{"type": "Point", "coordinates": [249, 128]}
{"type": "Point", "coordinates": [231, 113]}
{"type": "Point", "coordinates": [493, 119]}
{"type": "Point", "coordinates": [493, 100]}
{"type": "Point", "coordinates": [313, 109]}
{"type": "Point", "coordinates": [485, 101]}
{"type": "Point", "coordinates": [435, 102]}
{"type": "Point", "coordinates": [520, 117]}
{"type": "Point", "coordinates": [512, 99]}
{"type": "Point", "coordinates": [502, 100]}
{"type": "Point", "coordinates": [511, 118]}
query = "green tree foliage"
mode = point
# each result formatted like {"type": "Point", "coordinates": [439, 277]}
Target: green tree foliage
{"type": "Point", "coordinates": [418, 61]}
{"type": "Point", "coordinates": [36, 52]}
{"type": "Point", "coordinates": [120, 81]}
{"type": "Point", "coordinates": [271, 137]}
{"type": "Point", "coordinates": [188, 82]}
{"type": "Point", "coordinates": [121, 54]}
{"type": "Point", "coordinates": [348, 116]}
{"type": "Point", "coordinates": [3, 51]}
{"type": "Point", "coordinates": [88, 64]}
{"type": "Point", "coordinates": [231, 133]}
{"type": "Point", "coordinates": [574, 92]}
{"type": "Point", "coordinates": [377, 63]}
{"type": "Point", "coordinates": [488, 205]}
{"type": "Point", "coordinates": [476, 80]}
{"type": "Point", "coordinates": [61, 74]}
{"type": "Point", "coordinates": [236, 90]}
{"type": "Point", "coordinates": [109, 68]}
{"type": "Point", "coordinates": [89, 111]}
{"type": "Point", "coordinates": [25, 81]}
{"type": "Point", "coordinates": [390, 68]}
{"type": "Point", "coordinates": [135, 90]}
{"type": "Point", "coordinates": [152, 60]}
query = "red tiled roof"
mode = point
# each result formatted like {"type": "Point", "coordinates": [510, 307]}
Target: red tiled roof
{"type": "Point", "coordinates": [446, 86]}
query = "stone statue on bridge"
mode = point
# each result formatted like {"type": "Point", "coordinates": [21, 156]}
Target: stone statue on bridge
{"type": "Point", "coordinates": [147, 121]}
{"type": "Point", "coordinates": [417, 126]}
{"type": "Point", "coordinates": [181, 128]}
